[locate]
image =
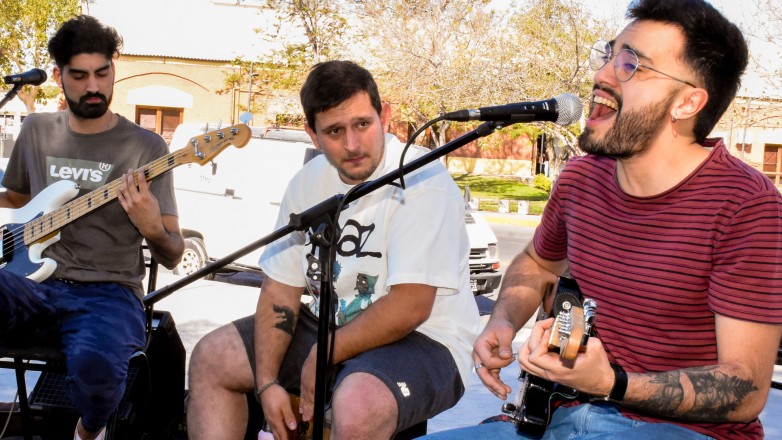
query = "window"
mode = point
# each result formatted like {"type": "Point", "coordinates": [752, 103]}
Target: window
{"type": "Point", "coordinates": [161, 120]}
{"type": "Point", "coordinates": [744, 148]}
{"type": "Point", "coordinates": [772, 162]}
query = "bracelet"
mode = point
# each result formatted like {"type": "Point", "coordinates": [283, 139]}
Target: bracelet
{"type": "Point", "coordinates": [259, 391]}
{"type": "Point", "coordinates": [617, 393]}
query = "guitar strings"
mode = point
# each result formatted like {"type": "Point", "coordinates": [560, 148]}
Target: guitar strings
{"type": "Point", "coordinates": [88, 202]}
{"type": "Point", "coordinates": [84, 204]}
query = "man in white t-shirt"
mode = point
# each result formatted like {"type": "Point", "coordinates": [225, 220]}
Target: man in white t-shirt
{"type": "Point", "coordinates": [406, 315]}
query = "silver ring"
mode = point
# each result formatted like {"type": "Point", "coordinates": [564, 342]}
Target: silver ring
{"type": "Point", "coordinates": [477, 366]}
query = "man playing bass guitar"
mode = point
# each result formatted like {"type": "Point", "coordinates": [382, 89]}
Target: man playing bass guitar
{"type": "Point", "coordinates": [92, 300]}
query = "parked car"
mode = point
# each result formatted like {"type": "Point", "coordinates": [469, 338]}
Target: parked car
{"type": "Point", "coordinates": [234, 201]}
{"type": "Point", "coordinates": [484, 253]}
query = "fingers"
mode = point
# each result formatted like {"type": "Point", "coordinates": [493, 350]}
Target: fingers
{"type": "Point", "coordinates": [491, 379]}
{"type": "Point", "coordinates": [279, 412]}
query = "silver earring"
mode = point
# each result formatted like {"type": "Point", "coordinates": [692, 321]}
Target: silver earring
{"type": "Point", "coordinates": [674, 118]}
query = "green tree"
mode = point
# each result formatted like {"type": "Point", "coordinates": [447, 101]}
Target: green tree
{"type": "Point", "coordinates": [432, 56]}
{"type": "Point", "coordinates": [556, 36]}
{"type": "Point", "coordinates": [311, 31]}
{"type": "Point", "coordinates": [25, 29]}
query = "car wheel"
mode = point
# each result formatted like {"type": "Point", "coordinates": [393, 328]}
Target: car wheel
{"type": "Point", "coordinates": [194, 257]}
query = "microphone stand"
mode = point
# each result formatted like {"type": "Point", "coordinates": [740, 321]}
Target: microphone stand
{"type": "Point", "coordinates": [318, 218]}
{"type": "Point", "coordinates": [10, 95]}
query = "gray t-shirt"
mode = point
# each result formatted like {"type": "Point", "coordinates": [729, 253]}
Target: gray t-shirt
{"type": "Point", "coordinates": [103, 245]}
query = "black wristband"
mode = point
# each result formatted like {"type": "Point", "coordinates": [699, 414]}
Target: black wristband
{"type": "Point", "coordinates": [617, 394]}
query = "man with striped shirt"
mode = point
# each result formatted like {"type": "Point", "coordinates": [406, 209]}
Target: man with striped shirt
{"type": "Point", "coordinates": [678, 242]}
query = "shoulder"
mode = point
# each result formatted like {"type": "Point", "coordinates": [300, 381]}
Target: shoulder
{"type": "Point", "coordinates": [130, 130]}
{"type": "Point", "coordinates": [34, 120]}
{"type": "Point", "coordinates": [725, 170]}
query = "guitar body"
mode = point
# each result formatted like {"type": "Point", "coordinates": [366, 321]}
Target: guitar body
{"type": "Point", "coordinates": [538, 398]}
{"type": "Point", "coordinates": [17, 256]}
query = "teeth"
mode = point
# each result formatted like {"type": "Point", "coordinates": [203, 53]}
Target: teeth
{"type": "Point", "coordinates": [605, 102]}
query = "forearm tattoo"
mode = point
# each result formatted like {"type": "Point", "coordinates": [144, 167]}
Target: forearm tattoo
{"type": "Point", "coordinates": [284, 318]}
{"type": "Point", "coordinates": [716, 393]}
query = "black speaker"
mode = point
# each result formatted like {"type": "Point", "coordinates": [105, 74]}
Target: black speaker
{"type": "Point", "coordinates": [152, 406]}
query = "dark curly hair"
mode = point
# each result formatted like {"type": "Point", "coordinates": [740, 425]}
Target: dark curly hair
{"type": "Point", "coordinates": [714, 49]}
{"type": "Point", "coordinates": [331, 83]}
{"type": "Point", "coordinates": [83, 34]}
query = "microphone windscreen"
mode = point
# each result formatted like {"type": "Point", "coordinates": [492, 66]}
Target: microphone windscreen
{"type": "Point", "coordinates": [570, 108]}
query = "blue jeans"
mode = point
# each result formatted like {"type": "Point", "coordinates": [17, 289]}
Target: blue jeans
{"type": "Point", "coordinates": [586, 421]}
{"type": "Point", "coordinates": [100, 326]}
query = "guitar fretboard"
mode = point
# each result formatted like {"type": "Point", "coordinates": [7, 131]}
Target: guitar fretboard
{"type": "Point", "coordinates": [200, 152]}
{"type": "Point", "coordinates": [52, 222]}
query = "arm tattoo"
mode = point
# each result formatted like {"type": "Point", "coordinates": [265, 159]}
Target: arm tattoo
{"type": "Point", "coordinates": [716, 393]}
{"type": "Point", "coordinates": [669, 393]}
{"type": "Point", "coordinates": [284, 318]}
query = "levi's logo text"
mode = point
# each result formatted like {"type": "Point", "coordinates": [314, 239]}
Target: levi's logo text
{"type": "Point", "coordinates": [88, 174]}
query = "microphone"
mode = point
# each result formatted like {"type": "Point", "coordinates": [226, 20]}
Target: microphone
{"type": "Point", "coordinates": [34, 77]}
{"type": "Point", "coordinates": [563, 109]}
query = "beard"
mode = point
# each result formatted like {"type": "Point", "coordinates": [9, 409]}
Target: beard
{"type": "Point", "coordinates": [84, 110]}
{"type": "Point", "coordinates": [632, 132]}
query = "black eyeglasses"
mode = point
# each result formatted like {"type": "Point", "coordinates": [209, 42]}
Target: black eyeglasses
{"type": "Point", "coordinates": [625, 62]}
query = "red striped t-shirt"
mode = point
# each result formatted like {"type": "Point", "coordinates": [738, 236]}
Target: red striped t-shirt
{"type": "Point", "coordinates": [660, 267]}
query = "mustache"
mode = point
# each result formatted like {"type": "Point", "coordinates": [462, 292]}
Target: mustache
{"type": "Point", "coordinates": [611, 92]}
{"type": "Point", "coordinates": [100, 96]}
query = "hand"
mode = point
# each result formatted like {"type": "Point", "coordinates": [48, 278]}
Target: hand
{"type": "Point", "coordinates": [278, 412]}
{"type": "Point", "coordinates": [492, 351]}
{"type": "Point", "coordinates": [139, 203]}
{"type": "Point", "coordinates": [308, 374]}
{"type": "Point", "coordinates": [590, 372]}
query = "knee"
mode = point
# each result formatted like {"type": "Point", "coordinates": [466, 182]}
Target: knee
{"type": "Point", "coordinates": [91, 369]}
{"type": "Point", "coordinates": [363, 404]}
{"type": "Point", "coordinates": [218, 358]}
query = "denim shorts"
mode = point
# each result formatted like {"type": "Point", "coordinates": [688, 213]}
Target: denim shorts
{"type": "Point", "coordinates": [419, 371]}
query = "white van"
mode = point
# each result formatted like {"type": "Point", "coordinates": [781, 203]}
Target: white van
{"type": "Point", "coordinates": [234, 200]}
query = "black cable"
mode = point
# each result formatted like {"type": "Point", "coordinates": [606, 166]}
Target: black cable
{"type": "Point", "coordinates": [410, 142]}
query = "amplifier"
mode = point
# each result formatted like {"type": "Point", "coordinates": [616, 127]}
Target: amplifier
{"type": "Point", "coordinates": [153, 403]}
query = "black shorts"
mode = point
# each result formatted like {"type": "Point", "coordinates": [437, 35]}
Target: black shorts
{"type": "Point", "coordinates": [419, 371]}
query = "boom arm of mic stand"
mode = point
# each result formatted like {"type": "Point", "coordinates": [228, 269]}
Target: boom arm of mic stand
{"type": "Point", "coordinates": [309, 218]}
{"type": "Point", "coordinates": [10, 95]}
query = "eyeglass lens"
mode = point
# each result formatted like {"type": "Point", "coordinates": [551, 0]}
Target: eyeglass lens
{"type": "Point", "coordinates": [625, 62]}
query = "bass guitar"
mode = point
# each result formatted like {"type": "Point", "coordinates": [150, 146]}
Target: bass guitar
{"type": "Point", "coordinates": [573, 325]}
{"type": "Point", "coordinates": [27, 231]}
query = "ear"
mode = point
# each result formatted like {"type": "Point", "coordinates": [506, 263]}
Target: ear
{"type": "Point", "coordinates": [312, 134]}
{"type": "Point", "coordinates": [57, 75]}
{"type": "Point", "coordinates": [690, 103]}
{"type": "Point", "coordinates": [385, 115]}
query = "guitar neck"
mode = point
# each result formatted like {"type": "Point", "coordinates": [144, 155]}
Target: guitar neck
{"type": "Point", "coordinates": [49, 223]}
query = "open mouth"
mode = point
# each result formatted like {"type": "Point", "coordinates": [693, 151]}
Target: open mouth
{"type": "Point", "coordinates": [603, 108]}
